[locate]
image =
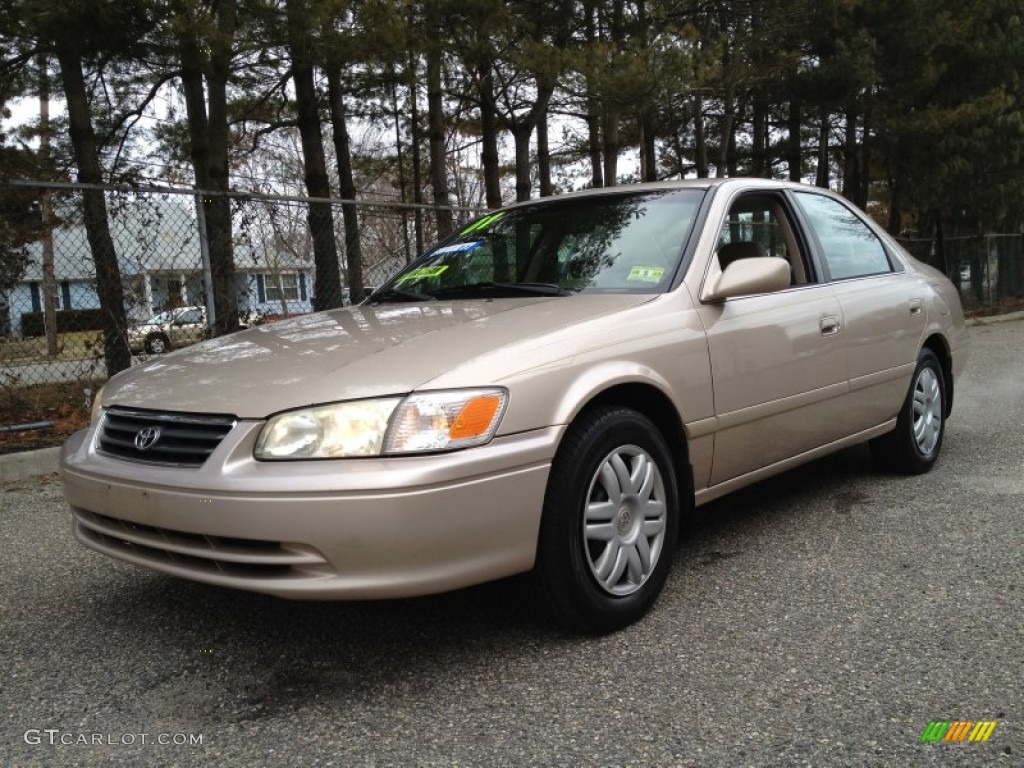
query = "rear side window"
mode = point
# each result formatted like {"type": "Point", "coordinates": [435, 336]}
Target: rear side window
{"type": "Point", "coordinates": [191, 317]}
{"type": "Point", "coordinates": [849, 247]}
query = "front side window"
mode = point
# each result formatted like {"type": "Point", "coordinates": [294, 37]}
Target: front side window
{"type": "Point", "coordinates": [759, 225]}
{"type": "Point", "coordinates": [616, 243]}
{"type": "Point", "coordinates": [849, 247]}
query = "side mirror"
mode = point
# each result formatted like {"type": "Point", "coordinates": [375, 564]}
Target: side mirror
{"type": "Point", "coordinates": [745, 277]}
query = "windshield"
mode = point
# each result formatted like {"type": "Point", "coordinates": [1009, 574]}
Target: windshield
{"type": "Point", "coordinates": [628, 243]}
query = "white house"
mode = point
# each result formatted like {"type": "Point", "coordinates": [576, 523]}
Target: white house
{"type": "Point", "coordinates": [158, 250]}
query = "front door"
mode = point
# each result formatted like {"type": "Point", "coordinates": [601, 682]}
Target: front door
{"type": "Point", "coordinates": [778, 360]}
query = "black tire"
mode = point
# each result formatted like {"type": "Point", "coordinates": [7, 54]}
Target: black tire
{"type": "Point", "coordinates": [575, 574]}
{"type": "Point", "coordinates": [157, 344]}
{"type": "Point", "coordinates": [913, 447]}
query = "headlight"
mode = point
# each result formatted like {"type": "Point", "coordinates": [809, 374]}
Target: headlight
{"type": "Point", "coordinates": [328, 432]}
{"type": "Point", "coordinates": [420, 423]}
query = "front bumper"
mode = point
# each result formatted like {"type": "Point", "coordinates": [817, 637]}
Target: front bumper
{"type": "Point", "coordinates": [332, 529]}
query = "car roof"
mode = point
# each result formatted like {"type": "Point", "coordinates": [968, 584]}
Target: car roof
{"type": "Point", "coordinates": [667, 186]}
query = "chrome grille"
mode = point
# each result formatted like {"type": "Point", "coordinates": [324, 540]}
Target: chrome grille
{"type": "Point", "coordinates": [158, 437]}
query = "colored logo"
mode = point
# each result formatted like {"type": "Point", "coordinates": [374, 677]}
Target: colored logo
{"type": "Point", "coordinates": [958, 730]}
{"type": "Point", "coordinates": [146, 438]}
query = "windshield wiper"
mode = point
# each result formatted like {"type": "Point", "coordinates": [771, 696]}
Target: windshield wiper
{"type": "Point", "coordinates": [541, 289]}
{"type": "Point", "coordinates": [534, 289]}
{"type": "Point", "coordinates": [397, 294]}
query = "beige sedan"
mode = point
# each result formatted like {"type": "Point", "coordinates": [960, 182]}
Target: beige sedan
{"type": "Point", "coordinates": [549, 391]}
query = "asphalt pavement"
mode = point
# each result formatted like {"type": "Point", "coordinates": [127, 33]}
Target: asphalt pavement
{"type": "Point", "coordinates": [822, 618]}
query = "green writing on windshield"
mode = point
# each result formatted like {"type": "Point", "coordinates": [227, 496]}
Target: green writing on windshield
{"type": "Point", "coordinates": [422, 272]}
{"type": "Point", "coordinates": [483, 223]}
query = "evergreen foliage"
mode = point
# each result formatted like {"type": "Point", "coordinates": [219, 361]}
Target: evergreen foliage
{"type": "Point", "coordinates": [912, 108]}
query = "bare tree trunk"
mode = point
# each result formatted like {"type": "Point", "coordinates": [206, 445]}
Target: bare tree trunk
{"type": "Point", "coordinates": [731, 153]}
{"type": "Point", "coordinates": [435, 119]}
{"type": "Point", "coordinates": [489, 138]}
{"type": "Point", "coordinates": [327, 286]}
{"type": "Point", "coordinates": [610, 148]}
{"type": "Point", "coordinates": [417, 173]}
{"type": "Point", "coordinates": [895, 213]}
{"type": "Point", "coordinates": [700, 138]}
{"type": "Point", "coordinates": [728, 118]}
{"type": "Point", "coordinates": [49, 281]}
{"type": "Point", "coordinates": [610, 129]}
{"type": "Point", "coordinates": [851, 158]}
{"type": "Point", "coordinates": [544, 157]}
{"type": "Point", "coordinates": [346, 186]}
{"type": "Point", "coordinates": [222, 260]}
{"type": "Point", "coordinates": [522, 130]}
{"type": "Point", "coordinates": [595, 146]}
{"type": "Point", "coordinates": [594, 143]}
{"type": "Point", "coordinates": [865, 162]}
{"type": "Point", "coordinates": [208, 139]}
{"type": "Point", "coordinates": [940, 247]}
{"type": "Point", "coordinates": [401, 168]}
{"type": "Point", "coordinates": [759, 151]}
{"type": "Point", "coordinates": [109, 287]}
{"type": "Point", "coordinates": [522, 141]}
{"type": "Point", "coordinates": [648, 154]}
{"type": "Point", "coordinates": [794, 155]}
{"type": "Point", "coordinates": [823, 150]}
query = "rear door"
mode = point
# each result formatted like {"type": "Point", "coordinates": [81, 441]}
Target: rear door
{"type": "Point", "coordinates": [882, 306]}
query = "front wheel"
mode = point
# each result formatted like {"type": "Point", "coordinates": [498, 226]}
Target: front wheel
{"type": "Point", "coordinates": [913, 447]}
{"type": "Point", "coordinates": [610, 522]}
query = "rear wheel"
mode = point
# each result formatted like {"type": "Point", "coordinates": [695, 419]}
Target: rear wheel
{"type": "Point", "coordinates": [157, 344]}
{"type": "Point", "coordinates": [610, 522]}
{"type": "Point", "coordinates": [913, 447]}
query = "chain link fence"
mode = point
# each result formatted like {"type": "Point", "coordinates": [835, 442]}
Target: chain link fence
{"type": "Point", "coordinates": [55, 330]}
{"type": "Point", "coordinates": [53, 327]}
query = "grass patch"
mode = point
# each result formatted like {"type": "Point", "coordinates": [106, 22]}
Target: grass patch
{"type": "Point", "coordinates": [75, 345]}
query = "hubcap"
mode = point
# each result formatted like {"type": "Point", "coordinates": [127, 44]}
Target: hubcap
{"type": "Point", "coordinates": [624, 524]}
{"type": "Point", "coordinates": [927, 411]}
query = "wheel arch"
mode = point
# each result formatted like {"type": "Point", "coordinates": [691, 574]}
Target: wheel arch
{"type": "Point", "coordinates": [653, 403]}
{"type": "Point", "coordinates": [938, 344]}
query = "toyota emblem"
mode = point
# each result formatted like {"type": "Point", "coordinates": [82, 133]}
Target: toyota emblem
{"type": "Point", "coordinates": [146, 438]}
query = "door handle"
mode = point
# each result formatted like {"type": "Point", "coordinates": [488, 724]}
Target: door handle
{"type": "Point", "coordinates": [915, 306]}
{"type": "Point", "coordinates": [829, 325]}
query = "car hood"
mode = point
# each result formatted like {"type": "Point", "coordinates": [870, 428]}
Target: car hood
{"type": "Point", "coordinates": [350, 353]}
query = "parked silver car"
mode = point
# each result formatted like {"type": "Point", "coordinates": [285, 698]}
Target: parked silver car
{"type": "Point", "coordinates": [168, 330]}
{"type": "Point", "coordinates": [550, 390]}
